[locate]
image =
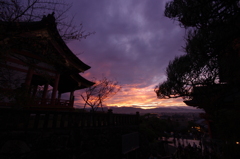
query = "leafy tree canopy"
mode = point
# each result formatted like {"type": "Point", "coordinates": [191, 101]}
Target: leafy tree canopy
{"type": "Point", "coordinates": [202, 13]}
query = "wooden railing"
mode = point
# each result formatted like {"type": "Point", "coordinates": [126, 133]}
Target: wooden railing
{"type": "Point", "coordinates": [11, 119]}
{"type": "Point", "coordinates": [42, 103]}
{"type": "Point", "coordinates": [57, 103]}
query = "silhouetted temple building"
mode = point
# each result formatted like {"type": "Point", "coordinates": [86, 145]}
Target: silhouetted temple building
{"type": "Point", "coordinates": [37, 66]}
{"type": "Point", "coordinates": [38, 71]}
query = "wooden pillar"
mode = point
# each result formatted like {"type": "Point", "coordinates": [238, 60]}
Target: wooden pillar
{"type": "Point", "coordinates": [71, 98]}
{"type": "Point", "coordinates": [209, 123]}
{"type": "Point", "coordinates": [44, 95]}
{"type": "Point", "coordinates": [55, 88]}
{"type": "Point", "coordinates": [59, 102]}
{"type": "Point", "coordinates": [34, 92]}
{"type": "Point", "coordinates": [29, 76]}
{"type": "Point", "coordinates": [59, 95]}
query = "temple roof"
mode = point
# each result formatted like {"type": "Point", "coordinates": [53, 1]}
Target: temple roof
{"type": "Point", "coordinates": [47, 33]}
{"type": "Point", "coordinates": [46, 25]}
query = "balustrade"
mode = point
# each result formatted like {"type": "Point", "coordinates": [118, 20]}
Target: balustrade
{"type": "Point", "coordinates": [41, 119]}
{"type": "Point", "coordinates": [48, 103]}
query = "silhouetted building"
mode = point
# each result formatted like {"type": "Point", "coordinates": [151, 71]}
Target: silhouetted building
{"type": "Point", "coordinates": [37, 67]}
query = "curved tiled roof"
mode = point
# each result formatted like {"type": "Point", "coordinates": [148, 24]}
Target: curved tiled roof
{"type": "Point", "coordinates": [48, 23]}
{"type": "Point", "coordinates": [70, 80]}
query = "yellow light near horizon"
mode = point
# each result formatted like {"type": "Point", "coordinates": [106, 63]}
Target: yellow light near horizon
{"type": "Point", "coordinates": [147, 107]}
{"type": "Point", "coordinates": [132, 96]}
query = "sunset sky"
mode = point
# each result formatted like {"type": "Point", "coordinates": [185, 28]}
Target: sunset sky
{"type": "Point", "coordinates": [133, 44]}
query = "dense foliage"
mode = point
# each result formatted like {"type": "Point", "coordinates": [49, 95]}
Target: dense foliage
{"type": "Point", "coordinates": [211, 50]}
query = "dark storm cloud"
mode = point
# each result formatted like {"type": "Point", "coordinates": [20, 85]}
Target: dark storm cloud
{"type": "Point", "coordinates": [133, 43]}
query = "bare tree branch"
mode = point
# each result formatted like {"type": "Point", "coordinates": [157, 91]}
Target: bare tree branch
{"type": "Point", "coordinates": [95, 95]}
{"type": "Point", "coordinates": [33, 10]}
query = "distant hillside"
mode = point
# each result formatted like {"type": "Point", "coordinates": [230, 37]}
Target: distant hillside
{"type": "Point", "coordinates": [172, 109]}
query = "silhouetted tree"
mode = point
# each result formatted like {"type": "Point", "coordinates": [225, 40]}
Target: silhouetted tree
{"type": "Point", "coordinates": [202, 13]}
{"type": "Point", "coordinates": [208, 74]}
{"type": "Point", "coordinates": [95, 95]}
{"type": "Point", "coordinates": [212, 46]}
{"type": "Point", "coordinates": [184, 73]}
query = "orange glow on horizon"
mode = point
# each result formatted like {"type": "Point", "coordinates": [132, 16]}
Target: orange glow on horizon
{"type": "Point", "coordinates": [145, 98]}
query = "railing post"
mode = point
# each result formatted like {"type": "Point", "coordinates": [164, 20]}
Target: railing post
{"type": "Point", "coordinates": [110, 118]}
{"type": "Point", "coordinates": [94, 121]}
{"type": "Point", "coordinates": [137, 118]}
{"type": "Point", "coordinates": [54, 122]}
{"type": "Point", "coordinates": [36, 120]}
{"type": "Point", "coordinates": [45, 124]}
{"type": "Point", "coordinates": [44, 95]}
